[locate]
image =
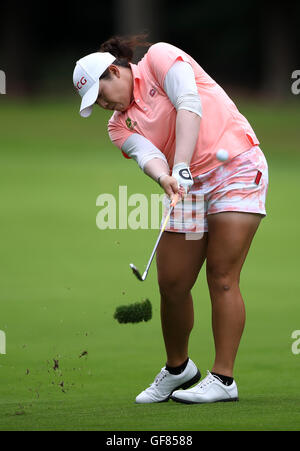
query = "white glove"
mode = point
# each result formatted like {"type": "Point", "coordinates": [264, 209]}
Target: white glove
{"type": "Point", "coordinates": [181, 172]}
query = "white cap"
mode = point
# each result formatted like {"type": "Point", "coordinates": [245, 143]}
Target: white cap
{"type": "Point", "coordinates": [86, 76]}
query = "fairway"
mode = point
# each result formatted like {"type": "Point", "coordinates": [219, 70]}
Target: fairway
{"type": "Point", "coordinates": [69, 365]}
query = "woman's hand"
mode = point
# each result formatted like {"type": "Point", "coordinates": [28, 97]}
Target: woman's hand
{"type": "Point", "coordinates": [181, 172]}
{"type": "Point", "coordinates": [170, 186]}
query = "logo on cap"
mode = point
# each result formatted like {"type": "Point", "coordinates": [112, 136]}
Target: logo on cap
{"type": "Point", "coordinates": [81, 83]}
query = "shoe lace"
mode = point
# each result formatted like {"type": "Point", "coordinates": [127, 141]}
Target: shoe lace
{"type": "Point", "coordinates": [160, 376]}
{"type": "Point", "coordinates": [207, 380]}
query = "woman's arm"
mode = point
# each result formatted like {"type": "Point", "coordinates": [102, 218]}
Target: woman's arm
{"type": "Point", "coordinates": [152, 161]}
{"type": "Point", "coordinates": [180, 86]}
{"type": "Point", "coordinates": [149, 158]}
{"type": "Point", "coordinates": [187, 131]}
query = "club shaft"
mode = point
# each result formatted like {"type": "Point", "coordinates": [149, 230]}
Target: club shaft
{"type": "Point", "coordinates": [157, 241]}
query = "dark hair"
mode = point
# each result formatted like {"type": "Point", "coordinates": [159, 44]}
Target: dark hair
{"type": "Point", "coordinates": [123, 49]}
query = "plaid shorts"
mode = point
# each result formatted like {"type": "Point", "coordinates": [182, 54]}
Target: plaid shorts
{"type": "Point", "coordinates": [239, 184]}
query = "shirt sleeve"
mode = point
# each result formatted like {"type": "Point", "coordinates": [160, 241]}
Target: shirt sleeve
{"type": "Point", "coordinates": [161, 57]}
{"type": "Point", "coordinates": [141, 150]}
{"type": "Point", "coordinates": [117, 131]}
{"type": "Point", "coordinates": [180, 86]}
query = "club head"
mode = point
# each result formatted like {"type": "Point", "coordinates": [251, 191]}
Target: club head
{"type": "Point", "coordinates": [136, 272]}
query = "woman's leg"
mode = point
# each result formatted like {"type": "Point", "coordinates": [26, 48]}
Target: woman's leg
{"type": "Point", "coordinates": [229, 240]}
{"type": "Point", "coordinates": [178, 264]}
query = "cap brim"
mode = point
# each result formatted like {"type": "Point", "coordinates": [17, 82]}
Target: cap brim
{"type": "Point", "coordinates": [88, 100]}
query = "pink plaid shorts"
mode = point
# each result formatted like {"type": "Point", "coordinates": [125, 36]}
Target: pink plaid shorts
{"type": "Point", "coordinates": [239, 184]}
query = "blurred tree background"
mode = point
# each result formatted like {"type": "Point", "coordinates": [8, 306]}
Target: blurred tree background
{"type": "Point", "coordinates": [252, 46]}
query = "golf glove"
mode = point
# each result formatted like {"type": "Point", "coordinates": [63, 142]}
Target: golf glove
{"type": "Point", "coordinates": [181, 172]}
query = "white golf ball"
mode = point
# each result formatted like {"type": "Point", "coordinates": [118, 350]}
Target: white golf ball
{"type": "Point", "coordinates": [222, 155]}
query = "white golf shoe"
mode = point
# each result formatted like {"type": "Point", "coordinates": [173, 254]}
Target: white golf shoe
{"type": "Point", "coordinates": [165, 383]}
{"type": "Point", "coordinates": [210, 389]}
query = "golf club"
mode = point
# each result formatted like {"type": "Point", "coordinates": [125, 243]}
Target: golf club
{"type": "Point", "coordinates": [135, 271]}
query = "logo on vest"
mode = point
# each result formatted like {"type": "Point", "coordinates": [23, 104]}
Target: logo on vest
{"type": "Point", "coordinates": [130, 124]}
{"type": "Point", "coordinates": [152, 92]}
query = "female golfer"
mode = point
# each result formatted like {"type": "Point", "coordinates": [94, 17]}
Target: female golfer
{"type": "Point", "coordinates": [174, 120]}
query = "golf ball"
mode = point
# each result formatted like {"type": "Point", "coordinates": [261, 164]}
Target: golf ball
{"type": "Point", "coordinates": [222, 155]}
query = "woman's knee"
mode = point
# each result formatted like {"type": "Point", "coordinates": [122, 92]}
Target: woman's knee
{"type": "Point", "coordinates": [173, 286]}
{"type": "Point", "coordinates": [221, 279]}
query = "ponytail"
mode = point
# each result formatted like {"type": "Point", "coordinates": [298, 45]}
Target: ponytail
{"type": "Point", "coordinates": [123, 49]}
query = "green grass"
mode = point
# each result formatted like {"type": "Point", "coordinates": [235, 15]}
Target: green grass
{"type": "Point", "coordinates": [62, 278]}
